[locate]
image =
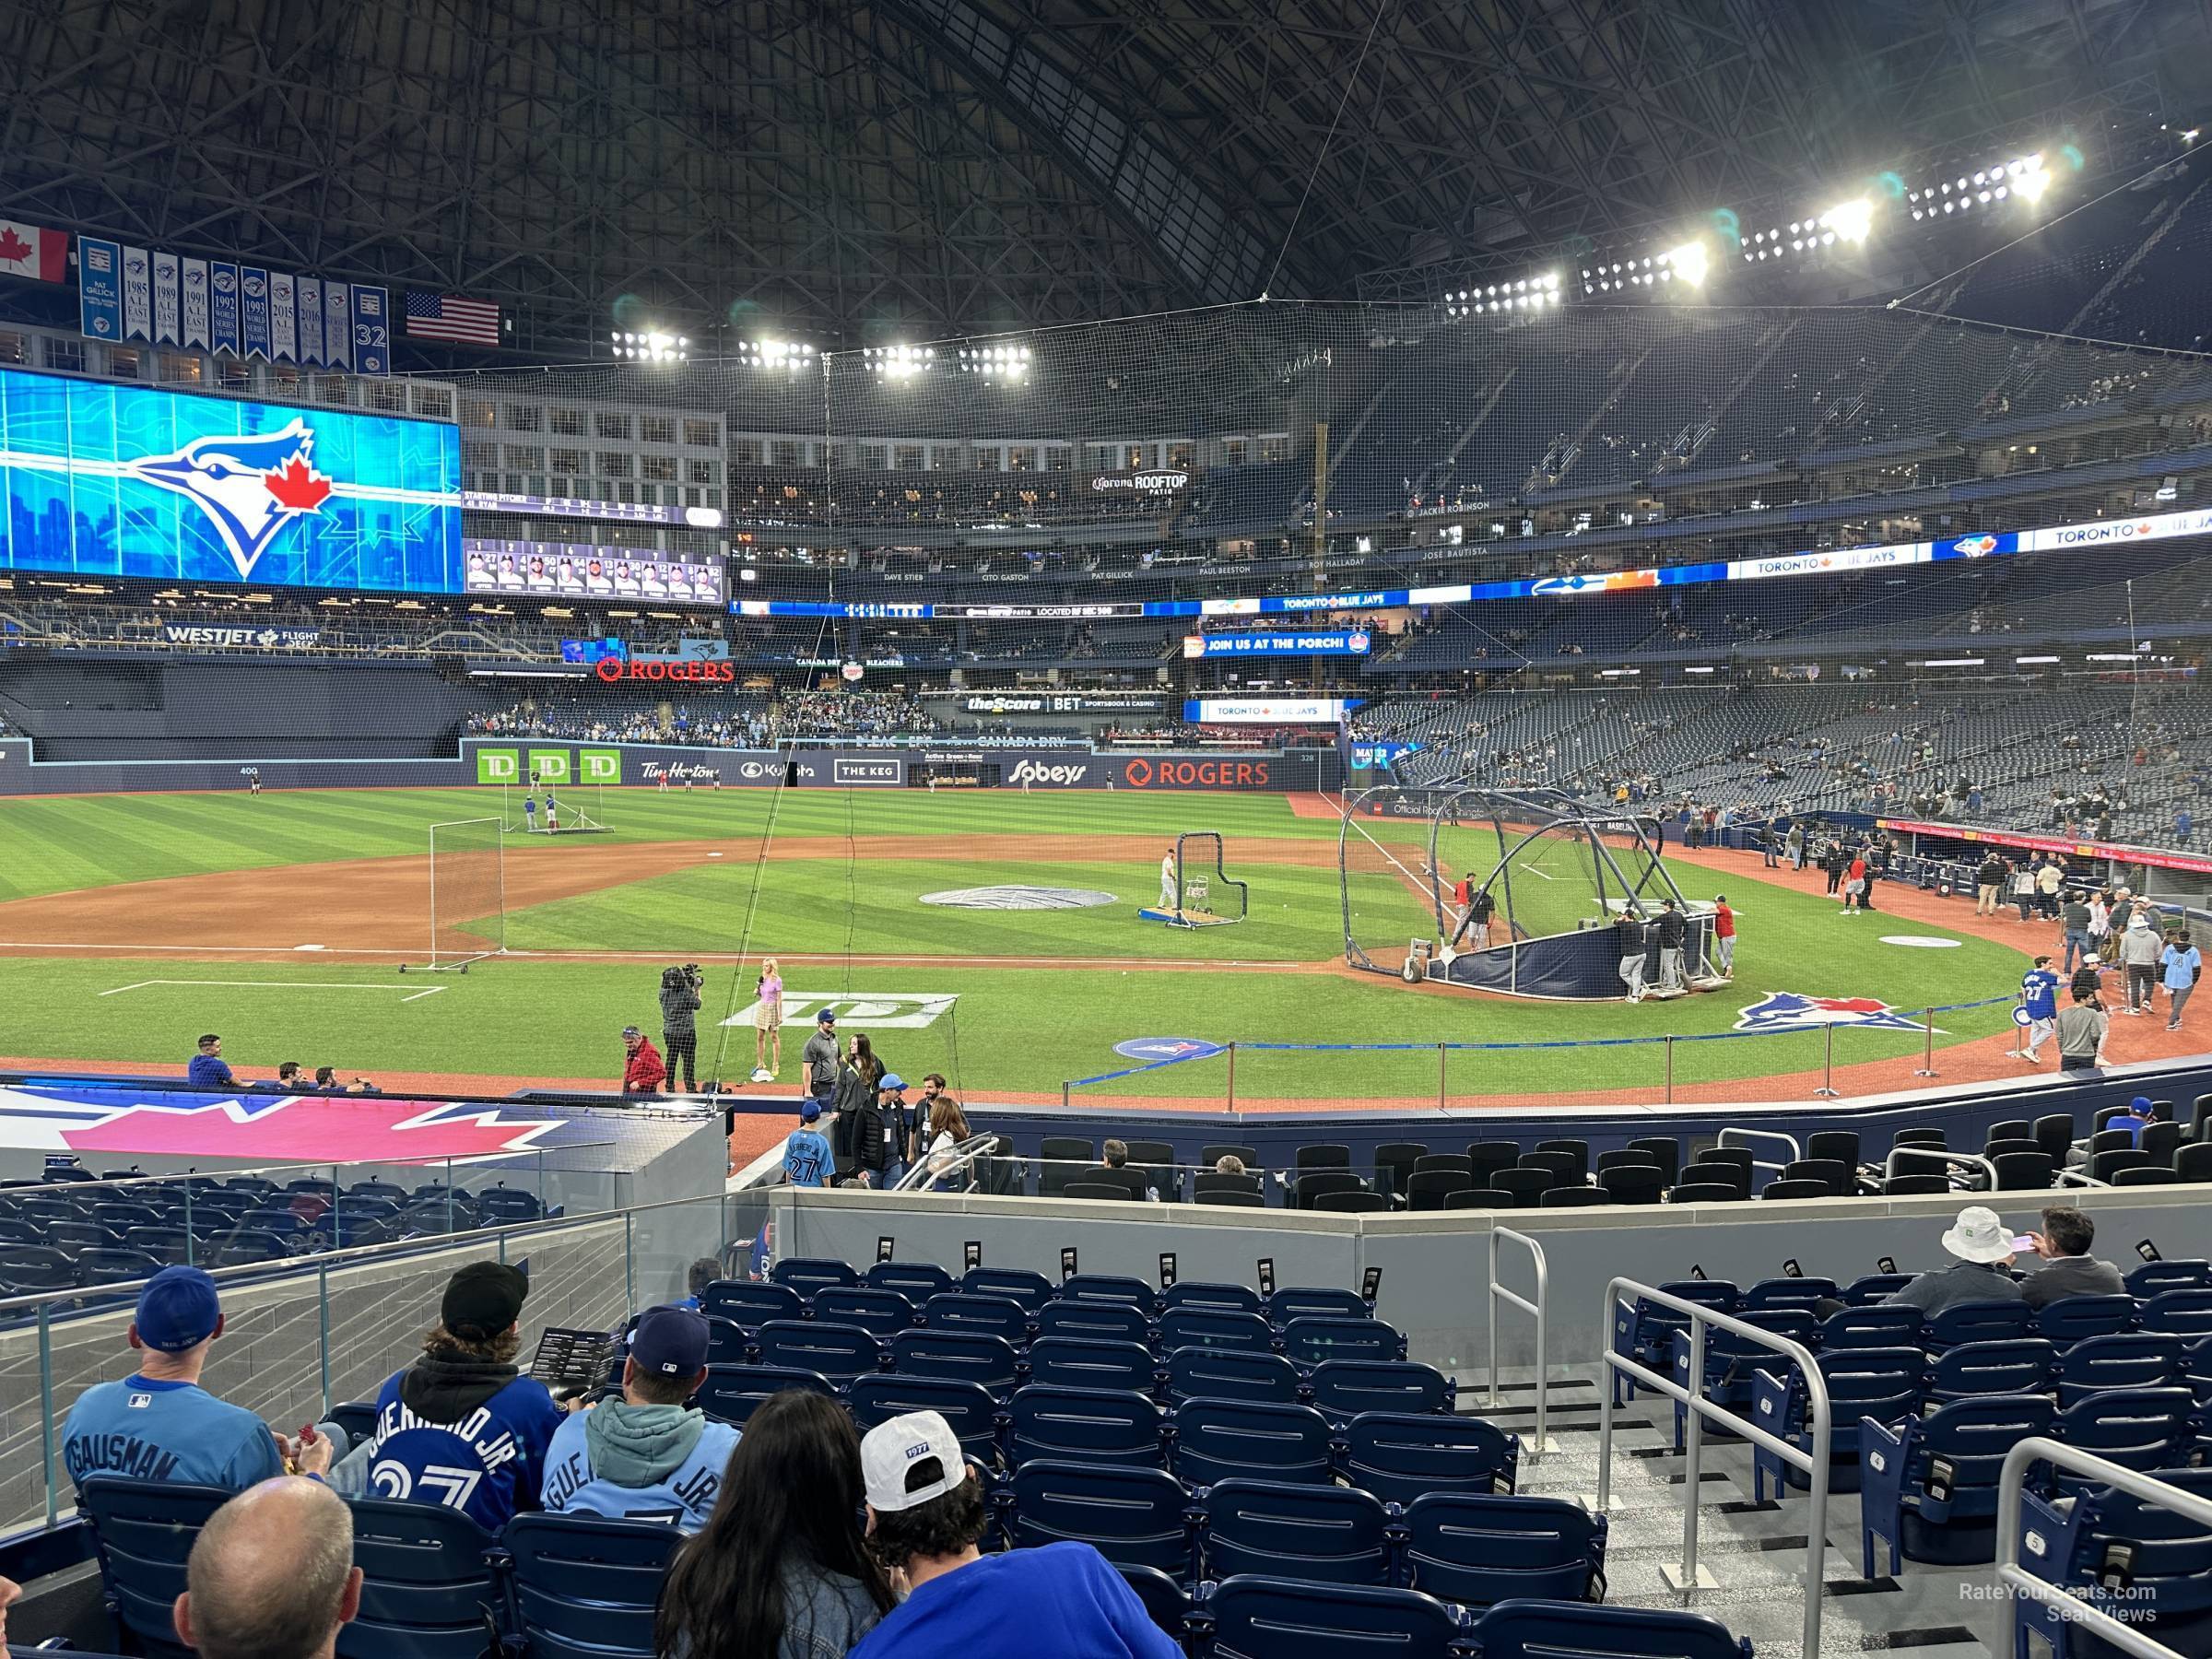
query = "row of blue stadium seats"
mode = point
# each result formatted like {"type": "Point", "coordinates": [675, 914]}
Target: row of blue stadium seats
{"type": "Point", "coordinates": [563, 1587]}
{"type": "Point", "coordinates": [920, 1280]}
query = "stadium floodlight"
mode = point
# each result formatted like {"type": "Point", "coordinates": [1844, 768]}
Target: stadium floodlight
{"type": "Point", "coordinates": [1852, 220]}
{"type": "Point", "coordinates": [2030, 186]}
{"type": "Point", "coordinates": [1690, 261]}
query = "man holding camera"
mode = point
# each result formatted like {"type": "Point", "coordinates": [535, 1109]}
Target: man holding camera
{"type": "Point", "coordinates": [679, 1034]}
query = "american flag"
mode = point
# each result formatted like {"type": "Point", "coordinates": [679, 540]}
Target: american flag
{"type": "Point", "coordinates": [450, 317]}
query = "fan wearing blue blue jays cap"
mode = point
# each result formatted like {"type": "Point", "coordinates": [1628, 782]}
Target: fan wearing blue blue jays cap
{"type": "Point", "coordinates": [647, 1456]}
{"type": "Point", "coordinates": [158, 1423]}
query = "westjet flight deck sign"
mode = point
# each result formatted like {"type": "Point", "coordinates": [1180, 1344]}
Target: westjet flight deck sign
{"type": "Point", "coordinates": [105, 481]}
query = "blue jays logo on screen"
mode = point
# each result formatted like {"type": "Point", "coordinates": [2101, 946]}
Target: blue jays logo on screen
{"type": "Point", "coordinates": [106, 480]}
{"type": "Point", "coordinates": [1781, 1011]}
{"type": "Point", "coordinates": [251, 488]}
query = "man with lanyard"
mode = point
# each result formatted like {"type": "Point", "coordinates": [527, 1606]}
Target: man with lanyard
{"type": "Point", "coordinates": [2039, 1005]}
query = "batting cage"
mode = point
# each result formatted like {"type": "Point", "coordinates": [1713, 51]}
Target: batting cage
{"type": "Point", "coordinates": [1196, 888]}
{"type": "Point", "coordinates": [1521, 891]}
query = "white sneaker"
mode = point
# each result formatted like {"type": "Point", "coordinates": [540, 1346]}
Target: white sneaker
{"type": "Point", "coordinates": [762, 1075]}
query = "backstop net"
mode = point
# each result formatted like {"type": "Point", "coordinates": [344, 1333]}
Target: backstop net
{"type": "Point", "coordinates": [469, 894]}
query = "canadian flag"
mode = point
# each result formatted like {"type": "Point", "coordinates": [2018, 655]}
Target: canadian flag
{"type": "Point", "coordinates": [30, 250]}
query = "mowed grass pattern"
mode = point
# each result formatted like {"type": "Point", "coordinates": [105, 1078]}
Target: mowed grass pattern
{"type": "Point", "coordinates": [1025, 1029]}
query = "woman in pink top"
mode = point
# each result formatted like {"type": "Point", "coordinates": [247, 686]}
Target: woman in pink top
{"type": "Point", "coordinates": [767, 1024]}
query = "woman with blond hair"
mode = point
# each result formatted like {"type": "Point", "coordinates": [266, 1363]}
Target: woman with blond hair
{"type": "Point", "coordinates": [767, 1023]}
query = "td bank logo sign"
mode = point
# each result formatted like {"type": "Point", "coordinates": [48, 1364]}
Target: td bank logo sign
{"type": "Point", "coordinates": [897, 1010]}
{"type": "Point", "coordinates": [552, 767]}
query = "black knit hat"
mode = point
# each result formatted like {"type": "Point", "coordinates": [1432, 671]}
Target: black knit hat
{"type": "Point", "coordinates": [482, 1299]}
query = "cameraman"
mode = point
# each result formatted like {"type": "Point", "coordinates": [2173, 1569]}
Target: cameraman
{"type": "Point", "coordinates": [679, 1035]}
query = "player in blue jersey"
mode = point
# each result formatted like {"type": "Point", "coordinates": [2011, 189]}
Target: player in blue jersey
{"type": "Point", "coordinates": [461, 1426]}
{"type": "Point", "coordinates": [646, 1456]}
{"type": "Point", "coordinates": [2039, 1001]}
{"type": "Point", "coordinates": [529, 814]}
{"type": "Point", "coordinates": [158, 1423]}
{"type": "Point", "coordinates": [807, 1161]}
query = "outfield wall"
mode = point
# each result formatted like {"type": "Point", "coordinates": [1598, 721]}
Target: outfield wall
{"type": "Point", "coordinates": [489, 760]}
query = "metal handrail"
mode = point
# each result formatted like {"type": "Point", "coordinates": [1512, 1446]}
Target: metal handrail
{"type": "Point", "coordinates": [1815, 1462]}
{"type": "Point", "coordinates": [1937, 1153]}
{"type": "Point", "coordinates": [2012, 1482]}
{"type": "Point", "coordinates": [963, 1157]}
{"type": "Point", "coordinates": [1788, 1140]}
{"type": "Point", "coordinates": [1497, 1292]}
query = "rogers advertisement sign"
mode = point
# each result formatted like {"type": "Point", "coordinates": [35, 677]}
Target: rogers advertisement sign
{"type": "Point", "coordinates": [1166, 772]}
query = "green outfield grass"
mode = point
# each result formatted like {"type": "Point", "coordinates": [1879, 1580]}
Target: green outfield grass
{"type": "Point", "coordinates": [1012, 1028]}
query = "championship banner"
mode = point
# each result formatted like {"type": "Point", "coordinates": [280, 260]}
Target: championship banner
{"type": "Point", "coordinates": [283, 334]}
{"type": "Point", "coordinates": [138, 295]}
{"type": "Point", "coordinates": [222, 282]}
{"type": "Point", "coordinates": [100, 288]}
{"type": "Point", "coordinates": [168, 323]}
{"type": "Point", "coordinates": [311, 320]}
{"type": "Point", "coordinates": [253, 288]}
{"type": "Point", "coordinates": [372, 332]}
{"type": "Point", "coordinates": [195, 302]}
{"type": "Point", "coordinates": [338, 325]}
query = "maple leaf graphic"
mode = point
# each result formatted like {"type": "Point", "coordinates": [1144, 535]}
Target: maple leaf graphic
{"type": "Point", "coordinates": [13, 248]}
{"type": "Point", "coordinates": [298, 486]}
{"type": "Point", "coordinates": [351, 1131]}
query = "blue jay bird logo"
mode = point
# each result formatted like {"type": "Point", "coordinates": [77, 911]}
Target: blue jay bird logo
{"type": "Point", "coordinates": [1780, 1010]}
{"type": "Point", "coordinates": [250, 487]}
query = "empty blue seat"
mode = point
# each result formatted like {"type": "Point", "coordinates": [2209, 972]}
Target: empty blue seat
{"type": "Point", "coordinates": [1200, 1293]}
{"type": "Point", "coordinates": [1881, 1383]}
{"type": "Point", "coordinates": [1301, 1302]}
{"type": "Point", "coordinates": [1400, 1456]}
{"type": "Point", "coordinates": [248, 1246]}
{"type": "Point", "coordinates": [1109, 1288]}
{"type": "Point", "coordinates": [999, 1316]}
{"type": "Point", "coordinates": [839, 1352]}
{"type": "Point", "coordinates": [1995, 1321]}
{"type": "Point", "coordinates": [917, 1281]}
{"type": "Point", "coordinates": [967, 1408]}
{"type": "Point", "coordinates": [1732, 1361]}
{"type": "Point", "coordinates": [1644, 1330]}
{"type": "Point", "coordinates": [880, 1313]}
{"type": "Point", "coordinates": [585, 1588]}
{"type": "Point", "coordinates": [733, 1392]}
{"type": "Point", "coordinates": [2139, 1428]}
{"type": "Point", "coordinates": [1098, 1321]}
{"type": "Point", "coordinates": [1472, 1549]}
{"type": "Point", "coordinates": [1220, 1440]}
{"type": "Point", "coordinates": [2125, 1359]}
{"type": "Point", "coordinates": [807, 1274]}
{"type": "Point", "coordinates": [1951, 1522]}
{"type": "Point", "coordinates": [1342, 1389]}
{"type": "Point", "coordinates": [1250, 1617]}
{"type": "Point", "coordinates": [1538, 1629]}
{"type": "Point", "coordinates": [143, 1531]}
{"type": "Point", "coordinates": [1215, 1329]}
{"type": "Point", "coordinates": [503, 1207]}
{"type": "Point", "coordinates": [1311, 1338]}
{"type": "Point", "coordinates": [1231, 1374]}
{"type": "Point", "coordinates": [1767, 1295]}
{"type": "Point", "coordinates": [114, 1266]}
{"type": "Point", "coordinates": [2183, 1312]}
{"type": "Point", "coordinates": [2073, 1318]}
{"type": "Point", "coordinates": [963, 1355]}
{"type": "Point", "coordinates": [32, 1269]}
{"type": "Point", "coordinates": [425, 1583]}
{"type": "Point", "coordinates": [1882, 1327]}
{"type": "Point", "coordinates": [1075, 1362]}
{"type": "Point", "coordinates": [728, 1343]}
{"type": "Point", "coordinates": [1328, 1533]}
{"type": "Point", "coordinates": [2151, 1277]}
{"type": "Point", "coordinates": [1134, 1517]}
{"type": "Point", "coordinates": [749, 1304]}
{"type": "Point", "coordinates": [1166, 1602]}
{"type": "Point", "coordinates": [1973, 1369]}
{"type": "Point", "coordinates": [1032, 1290]}
{"type": "Point", "coordinates": [1083, 1425]}
{"type": "Point", "coordinates": [2168, 1571]}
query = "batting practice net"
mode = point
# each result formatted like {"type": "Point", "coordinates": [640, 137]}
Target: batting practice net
{"type": "Point", "coordinates": [468, 894]}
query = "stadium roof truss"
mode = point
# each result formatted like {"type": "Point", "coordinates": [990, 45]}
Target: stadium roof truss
{"type": "Point", "coordinates": [849, 169]}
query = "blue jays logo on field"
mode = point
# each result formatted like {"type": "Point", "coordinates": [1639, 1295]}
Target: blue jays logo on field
{"type": "Point", "coordinates": [249, 489]}
{"type": "Point", "coordinates": [1782, 1010]}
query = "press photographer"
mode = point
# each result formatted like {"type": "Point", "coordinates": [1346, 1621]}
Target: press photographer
{"type": "Point", "coordinates": [679, 1034]}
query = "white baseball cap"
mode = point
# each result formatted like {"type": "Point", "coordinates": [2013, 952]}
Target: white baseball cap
{"type": "Point", "coordinates": [889, 1449]}
{"type": "Point", "coordinates": [1979, 1236]}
